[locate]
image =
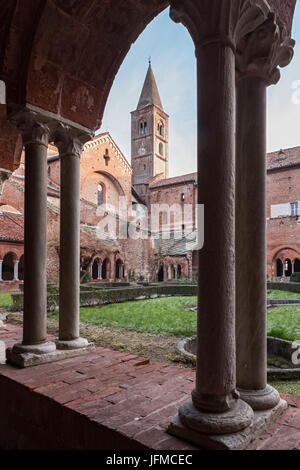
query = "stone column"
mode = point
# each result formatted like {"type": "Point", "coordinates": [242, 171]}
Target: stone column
{"type": "Point", "coordinates": [35, 133]}
{"type": "Point", "coordinates": [215, 408]}
{"type": "Point", "coordinates": [16, 270]}
{"type": "Point", "coordinates": [100, 271]}
{"type": "Point", "coordinates": [257, 68]}
{"type": "Point", "coordinates": [1, 262]}
{"type": "Point", "coordinates": [293, 267]}
{"type": "Point", "coordinates": [70, 143]}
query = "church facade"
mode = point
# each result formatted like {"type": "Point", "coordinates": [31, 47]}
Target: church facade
{"type": "Point", "coordinates": [118, 199]}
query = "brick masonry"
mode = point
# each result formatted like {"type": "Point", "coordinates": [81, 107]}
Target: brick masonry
{"type": "Point", "coordinates": [107, 400]}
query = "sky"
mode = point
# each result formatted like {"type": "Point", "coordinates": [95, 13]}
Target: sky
{"type": "Point", "coordinates": [174, 65]}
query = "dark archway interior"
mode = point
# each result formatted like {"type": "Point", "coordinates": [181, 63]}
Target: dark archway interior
{"type": "Point", "coordinates": [161, 274]}
{"type": "Point", "coordinates": [8, 267]}
{"type": "Point", "coordinates": [119, 269]}
{"type": "Point", "coordinates": [279, 268]}
{"type": "Point", "coordinates": [288, 267]}
{"type": "Point", "coordinates": [297, 266]}
{"type": "Point", "coordinates": [104, 269]}
{"type": "Point", "coordinates": [95, 269]}
{"type": "Point", "coordinates": [21, 268]}
{"type": "Point", "coordinates": [179, 272]}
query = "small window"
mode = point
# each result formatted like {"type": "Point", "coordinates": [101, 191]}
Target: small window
{"type": "Point", "coordinates": [164, 218]}
{"type": "Point", "coordinates": [161, 128]}
{"type": "Point", "coordinates": [143, 128]}
{"type": "Point", "coordinates": [294, 208]}
{"type": "Point", "coordinates": [161, 149]}
{"type": "Point", "coordinates": [182, 197]}
{"type": "Point", "coordinates": [100, 195]}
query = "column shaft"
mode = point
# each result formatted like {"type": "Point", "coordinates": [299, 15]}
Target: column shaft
{"type": "Point", "coordinates": [69, 248]}
{"type": "Point", "coordinates": [215, 373]}
{"type": "Point", "coordinates": [251, 262]}
{"type": "Point", "coordinates": [35, 244]}
{"type": "Point", "coordinates": [1, 262]}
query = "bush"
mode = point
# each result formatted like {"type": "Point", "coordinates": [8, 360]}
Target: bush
{"type": "Point", "coordinates": [295, 277]}
{"type": "Point", "coordinates": [286, 286]}
{"type": "Point", "coordinates": [95, 297]}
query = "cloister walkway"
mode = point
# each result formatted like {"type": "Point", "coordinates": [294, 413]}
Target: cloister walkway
{"type": "Point", "coordinates": [106, 400]}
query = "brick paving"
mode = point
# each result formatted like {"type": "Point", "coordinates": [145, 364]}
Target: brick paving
{"type": "Point", "coordinates": [107, 400]}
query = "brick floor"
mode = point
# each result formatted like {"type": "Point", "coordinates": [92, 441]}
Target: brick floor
{"type": "Point", "coordinates": [106, 400]}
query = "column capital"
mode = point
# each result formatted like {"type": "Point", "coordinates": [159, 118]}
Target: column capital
{"type": "Point", "coordinates": [34, 127]}
{"type": "Point", "coordinates": [70, 140]}
{"type": "Point", "coordinates": [264, 50]}
{"type": "Point", "coordinates": [225, 22]}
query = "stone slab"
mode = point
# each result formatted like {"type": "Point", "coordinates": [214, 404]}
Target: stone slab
{"type": "Point", "coordinates": [236, 441]}
{"type": "Point", "coordinates": [23, 360]}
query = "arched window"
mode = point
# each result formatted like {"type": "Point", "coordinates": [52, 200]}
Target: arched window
{"type": "Point", "coordinates": [161, 149]}
{"type": "Point", "coordinates": [100, 194]}
{"type": "Point", "coordinates": [161, 128]}
{"type": "Point", "coordinates": [143, 127]}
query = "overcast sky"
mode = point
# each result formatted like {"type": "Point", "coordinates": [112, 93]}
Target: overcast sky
{"type": "Point", "coordinates": [174, 66]}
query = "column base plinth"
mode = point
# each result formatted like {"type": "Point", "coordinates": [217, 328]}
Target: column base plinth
{"type": "Point", "coordinates": [77, 343]}
{"type": "Point", "coordinates": [25, 358]}
{"type": "Point", "coordinates": [239, 440]}
{"type": "Point", "coordinates": [265, 399]}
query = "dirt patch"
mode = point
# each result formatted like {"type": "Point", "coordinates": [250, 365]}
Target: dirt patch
{"type": "Point", "coordinates": [156, 348]}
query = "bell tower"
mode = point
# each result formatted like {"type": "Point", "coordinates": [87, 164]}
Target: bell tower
{"type": "Point", "coordinates": [149, 137]}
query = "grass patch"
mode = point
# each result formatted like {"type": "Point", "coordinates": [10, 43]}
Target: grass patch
{"type": "Point", "coordinates": [290, 387]}
{"type": "Point", "coordinates": [5, 300]}
{"type": "Point", "coordinates": [284, 322]}
{"type": "Point", "coordinates": [166, 316]}
{"type": "Point", "coordinates": [282, 295]}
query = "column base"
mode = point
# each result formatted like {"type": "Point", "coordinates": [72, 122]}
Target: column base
{"type": "Point", "coordinates": [26, 358]}
{"type": "Point", "coordinates": [265, 399]}
{"type": "Point", "coordinates": [232, 441]}
{"type": "Point", "coordinates": [77, 343]}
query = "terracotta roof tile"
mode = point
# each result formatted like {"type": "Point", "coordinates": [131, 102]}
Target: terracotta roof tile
{"type": "Point", "coordinates": [283, 158]}
{"type": "Point", "coordinates": [176, 180]}
{"type": "Point", "coordinates": [11, 227]}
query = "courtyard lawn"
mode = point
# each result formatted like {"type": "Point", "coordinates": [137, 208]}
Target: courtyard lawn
{"type": "Point", "coordinates": [166, 316]}
{"type": "Point", "coordinates": [282, 295]}
{"type": "Point", "coordinates": [5, 300]}
{"type": "Point", "coordinates": [284, 322]}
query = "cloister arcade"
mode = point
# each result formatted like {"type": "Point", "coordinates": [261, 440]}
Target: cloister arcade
{"type": "Point", "coordinates": [56, 90]}
{"type": "Point", "coordinates": [12, 267]}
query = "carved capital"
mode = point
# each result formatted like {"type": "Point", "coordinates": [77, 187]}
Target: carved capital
{"type": "Point", "coordinates": [70, 140]}
{"type": "Point", "coordinates": [4, 175]}
{"type": "Point", "coordinates": [261, 52]}
{"type": "Point", "coordinates": [215, 21]}
{"type": "Point", "coordinates": [33, 127]}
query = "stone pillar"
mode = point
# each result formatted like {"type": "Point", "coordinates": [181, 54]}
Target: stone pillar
{"type": "Point", "coordinates": [1, 262]}
{"type": "Point", "coordinates": [100, 271]}
{"type": "Point", "coordinates": [16, 270]}
{"type": "Point", "coordinates": [215, 408]}
{"type": "Point", "coordinates": [35, 133]}
{"type": "Point", "coordinates": [293, 267]}
{"type": "Point", "coordinates": [70, 143]}
{"type": "Point", "coordinates": [257, 68]}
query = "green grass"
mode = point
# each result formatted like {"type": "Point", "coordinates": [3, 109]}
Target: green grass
{"type": "Point", "coordinates": [282, 295]}
{"type": "Point", "coordinates": [167, 316]}
{"type": "Point", "coordinates": [284, 322]}
{"type": "Point", "coordinates": [290, 387]}
{"type": "Point", "coordinates": [5, 300]}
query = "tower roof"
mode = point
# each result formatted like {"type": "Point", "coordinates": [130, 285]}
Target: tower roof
{"type": "Point", "coordinates": [150, 93]}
